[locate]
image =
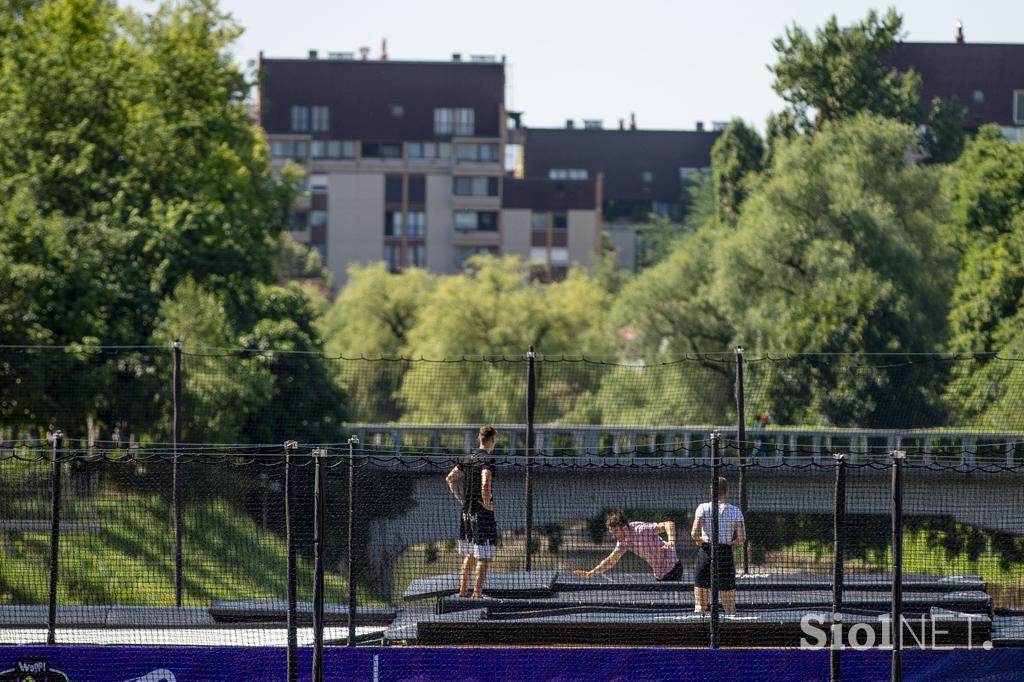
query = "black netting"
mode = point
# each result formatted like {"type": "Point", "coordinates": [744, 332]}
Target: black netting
{"type": "Point", "coordinates": [640, 439]}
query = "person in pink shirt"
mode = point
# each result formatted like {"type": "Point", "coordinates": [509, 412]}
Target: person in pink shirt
{"type": "Point", "coordinates": [643, 539]}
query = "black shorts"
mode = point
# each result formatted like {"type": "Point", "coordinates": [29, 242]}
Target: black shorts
{"type": "Point", "coordinates": [726, 568]}
{"type": "Point", "coordinates": [478, 529]}
{"type": "Point", "coordinates": [674, 575]}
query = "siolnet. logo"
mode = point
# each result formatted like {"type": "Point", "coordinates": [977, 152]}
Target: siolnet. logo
{"type": "Point", "coordinates": [33, 670]}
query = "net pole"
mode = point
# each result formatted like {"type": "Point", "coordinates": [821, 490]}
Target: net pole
{"type": "Point", "coordinates": [176, 481]}
{"type": "Point", "coordinates": [293, 645]}
{"type": "Point", "coordinates": [318, 565]}
{"type": "Point", "coordinates": [897, 564]}
{"type": "Point", "coordinates": [352, 441]}
{"type": "Point", "coordinates": [839, 537]}
{"type": "Point", "coordinates": [741, 435]}
{"type": "Point", "coordinates": [713, 602]}
{"type": "Point", "coordinates": [51, 611]}
{"type": "Point", "coordinates": [531, 441]}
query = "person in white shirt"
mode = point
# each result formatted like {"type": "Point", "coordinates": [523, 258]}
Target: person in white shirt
{"type": "Point", "coordinates": [732, 532]}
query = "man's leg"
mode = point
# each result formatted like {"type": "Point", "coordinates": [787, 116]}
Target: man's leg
{"type": "Point", "coordinates": [729, 601]}
{"type": "Point", "coordinates": [481, 575]}
{"type": "Point", "coordinates": [700, 599]}
{"type": "Point", "coordinates": [467, 569]}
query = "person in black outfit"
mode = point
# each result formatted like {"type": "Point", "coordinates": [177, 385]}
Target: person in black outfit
{"type": "Point", "coordinates": [471, 482]}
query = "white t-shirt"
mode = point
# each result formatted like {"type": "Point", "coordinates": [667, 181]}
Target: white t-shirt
{"type": "Point", "coordinates": [729, 516]}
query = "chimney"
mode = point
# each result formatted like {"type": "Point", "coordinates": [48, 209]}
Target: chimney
{"type": "Point", "coordinates": [622, 124]}
{"type": "Point", "coordinates": [364, 52]}
{"type": "Point", "coordinates": [632, 121]}
{"type": "Point", "coordinates": [312, 54]}
{"type": "Point", "coordinates": [383, 49]}
{"type": "Point", "coordinates": [700, 126]}
{"type": "Point", "coordinates": [569, 124]}
{"type": "Point", "coordinates": [959, 33]}
{"type": "Point", "coordinates": [456, 56]}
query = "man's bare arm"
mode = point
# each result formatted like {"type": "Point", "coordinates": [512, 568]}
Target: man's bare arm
{"type": "Point", "coordinates": [606, 564]}
{"type": "Point", "coordinates": [669, 529]}
{"type": "Point", "coordinates": [741, 534]}
{"type": "Point", "coordinates": [453, 478]}
{"type": "Point", "coordinates": [695, 530]}
{"type": "Point", "coordinates": [485, 489]}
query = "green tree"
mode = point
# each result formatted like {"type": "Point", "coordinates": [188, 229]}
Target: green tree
{"type": "Point", "coordinates": [943, 138]}
{"type": "Point", "coordinates": [838, 251]}
{"type": "Point", "coordinates": [736, 155]}
{"type": "Point", "coordinates": [136, 130]}
{"type": "Point", "coordinates": [128, 165]}
{"type": "Point", "coordinates": [840, 72]}
{"type": "Point", "coordinates": [987, 226]}
{"type": "Point", "coordinates": [493, 311]}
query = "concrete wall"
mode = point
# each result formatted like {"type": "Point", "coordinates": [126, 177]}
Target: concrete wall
{"type": "Point", "coordinates": [584, 237]}
{"type": "Point", "coordinates": [355, 221]}
{"type": "Point", "coordinates": [440, 224]}
{"type": "Point", "coordinates": [515, 232]}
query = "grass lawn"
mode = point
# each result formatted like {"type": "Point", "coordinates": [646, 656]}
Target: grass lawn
{"type": "Point", "coordinates": [129, 560]}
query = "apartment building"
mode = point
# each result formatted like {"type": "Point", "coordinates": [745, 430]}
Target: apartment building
{"type": "Point", "coordinates": [987, 78]}
{"type": "Point", "coordinates": [404, 163]}
{"type": "Point", "coordinates": [643, 172]}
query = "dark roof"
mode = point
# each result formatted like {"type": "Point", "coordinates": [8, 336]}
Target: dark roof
{"type": "Point", "coordinates": [623, 156]}
{"type": "Point", "coordinates": [361, 95]}
{"type": "Point", "coordinates": [949, 69]}
{"type": "Point", "coordinates": [542, 194]}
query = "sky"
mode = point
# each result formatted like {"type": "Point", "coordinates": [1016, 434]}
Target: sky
{"type": "Point", "coordinates": [671, 62]}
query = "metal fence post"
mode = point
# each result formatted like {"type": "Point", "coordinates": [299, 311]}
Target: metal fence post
{"type": "Point", "coordinates": [318, 564]}
{"type": "Point", "coordinates": [713, 535]}
{"type": "Point", "coordinates": [531, 400]}
{"type": "Point", "coordinates": [352, 442]}
{"type": "Point", "coordinates": [741, 436]}
{"type": "Point", "coordinates": [293, 657]}
{"type": "Point", "coordinates": [51, 614]}
{"type": "Point", "coordinates": [838, 550]}
{"type": "Point", "coordinates": [897, 563]}
{"type": "Point", "coordinates": [176, 483]}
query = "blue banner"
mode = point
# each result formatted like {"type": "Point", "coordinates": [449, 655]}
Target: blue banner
{"type": "Point", "coordinates": [375, 664]}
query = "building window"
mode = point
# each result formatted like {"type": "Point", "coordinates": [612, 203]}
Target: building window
{"type": "Point", "coordinates": [416, 221]}
{"type": "Point", "coordinates": [483, 153]}
{"type": "Point", "coordinates": [392, 223]}
{"type": "Point", "coordinates": [444, 121]}
{"type": "Point", "coordinates": [414, 150]}
{"type": "Point", "coordinates": [391, 252]}
{"type": "Point", "coordinates": [382, 150]}
{"type": "Point", "coordinates": [318, 149]}
{"type": "Point", "coordinates": [467, 221]}
{"type": "Point", "coordinates": [300, 119]}
{"type": "Point", "coordinates": [322, 249]}
{"type": "Point", "coordinates": [418, 254]}
{"type": "Point", "coordinates": [539, 221]}
{"type": "Point", "coordinates": [475, 186]}
{"type": "Point", "coordinates": [321, 119]}
{"type": "Point", "coordinates": [318, 183]}
{"type": "Point", "coordinates": [1018, 106]}
{"type": "Point", "coordinates": [317, 218]}
{"type": "Point", "coordinates": [568, 174]}
{"type": "Point", "coordinates": [978, 96]}
{"type": "Point", "coordinates": [647, 177]}
{"type": "Point", "coordinates": [300, 220]}
{"type": "Point", "coordinates": [279, 149]}
{"type": "Point", "coordinates": [393, 189]}
{"type": "Point", "coordinates": [417, 189]}
{"type": "Point", "coordinates": [559, 221]}
{"type": "Point", "coordinates": [464, 120]}
{"type": "Point", "coordinates": [397, 111]}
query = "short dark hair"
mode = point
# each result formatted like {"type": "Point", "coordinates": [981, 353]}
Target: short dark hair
{"type": "Point", "coordinates": [487, 433]}
{"type": "Point", "coordinates": [616, 518]}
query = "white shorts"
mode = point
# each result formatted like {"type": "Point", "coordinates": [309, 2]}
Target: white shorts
{"type": "Point", "coordinates": [485, 551]}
